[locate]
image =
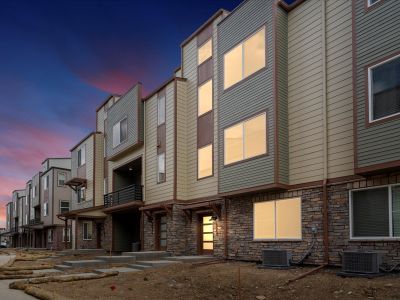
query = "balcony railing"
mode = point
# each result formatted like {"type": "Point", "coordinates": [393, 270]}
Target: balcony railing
{"type": "Point", "coordinates": [35, 221]}
{"type": "Point", "coordinates": [125, 195]}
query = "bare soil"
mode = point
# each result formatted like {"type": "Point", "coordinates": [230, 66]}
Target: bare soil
{"type": "Point", "coordinates": [221, 281]}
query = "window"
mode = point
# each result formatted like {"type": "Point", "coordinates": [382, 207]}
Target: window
{"type": "Point", "coordinates": [161, 168]}
{"type": "Point", "coordinates": [45, 209]}
{"type": "Point", "coordinates": [372, 2]}
{"type": "Point", "coordinates": [34, 190]}
{"type": "Point", "coordinates": [26, 218]}
{"type": "Point", "coordinates": [375, 212]}
{"type": "Point", "coordinates": [204, 52]}
{"type": "Point", "coordinates": [62, 177]}
{"type": "Point", "coordinates": [68, 235]}
{"type": "Point", "coordinates": [280, 219]}
{"type": "Point", "coordinates": [384, 89]}
{"type": "Point", "coordinates": [120, 132]}
{"type": "Point", "coordinates": [245, 140]}
{"type": "Point", "coordinates": [245, 59]}
{"type": "Point", "coordinates": [64, 206]}
{"type": "Point", "coordinates": [87, 231]}
{"type": "Point", "coordinates": [205, 95]}
{"type": "Point", "coordinates": [50, 235]}
{"type": "Point", "coordinates": [82, 156]}
{"type": "Point", "coordinates": [161, 110]}
{"type": "Point", "coordinates": [81, 193]}
{"type": "Point", "coordinates": [46, 182]}
{"type": "Point", "coordinates": [26, 201]}
{"type": "Point", "coordinates": [205, 161]}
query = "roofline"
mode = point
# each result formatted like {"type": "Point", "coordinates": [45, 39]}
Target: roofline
{"type": "Point", "coordinates": [55, 168]}
{"type": "Point", "coordinates": [106, 100]}
{"type": "Point", "coordinates": [291, 6]}
{"type": "Point", "coordinates": [205, 24]}
{"type": "Point", "coordinates": [54, 158]}
{"type": "Point", "coordinates": [163, 85]}
{"type": "Point", "coordinates": [18, 190]}
{"type": "Point", "coordinates": [84, 139]}
{"type": "Point", "coordinates": [177, 69]}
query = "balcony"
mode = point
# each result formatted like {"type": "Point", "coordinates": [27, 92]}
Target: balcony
{"type": "Point", "coordinates": [35, 221]}
{"type": "Point", "coordinates": [125, 195]}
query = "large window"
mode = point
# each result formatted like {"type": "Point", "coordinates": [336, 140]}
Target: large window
{"type": "Point", "coordinates": [161, 168]}
{"type": "Point", "coordinates": [87, 231]}
{"type": "Point", "coordinates": [245, 140]}
{"type": "Point", "coordinates": [64, 206]}
{"type": "Point", "coordinates": [120, 132]}
{"type": "Point", "coordinates": [245, 59]}
{"type": "Point", "coordinates": [205, 161]}
{"type": "Point", "coordinates": [62, 177]}
{"type": "Point", "coordinates": [205, 96]}
{"type": "Point", "coordinates": [46, 182]}
{"type": "Point", "coordinates": [204, 51]}
{"type": "Point", "coordinates": [45, 209]}
{"type": "Point", "coordinates": [81, 193]}
{"type": "Point", "coordinates": [280, 219]}
{"type": "Point", "coordinates": [384, 89]}
{"type": "Point", "coordinates": [82, 156]}
{"type": "Point", "coordinates": [375, 212]}
{"type": "Point", "coordinates": [161, 110]}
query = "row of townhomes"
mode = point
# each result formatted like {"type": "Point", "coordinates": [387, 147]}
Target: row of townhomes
{"type": "Point", "coordinates": [280, 130]}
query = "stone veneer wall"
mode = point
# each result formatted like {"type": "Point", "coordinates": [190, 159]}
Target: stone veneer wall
{"type": "Point", "coordinates": [106, 240]}
{"type": "Point", "coordinates": [58, 243]}
{"type": "Point", "coordinates": [86, 244]}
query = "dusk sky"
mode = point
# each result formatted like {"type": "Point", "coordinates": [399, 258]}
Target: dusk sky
{"type": "Point", "coordinates": [60, 59]}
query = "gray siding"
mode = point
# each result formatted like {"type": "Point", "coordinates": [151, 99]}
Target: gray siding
{"type": "Point", "coordinates": [377, 36]}
{"type": "Point", "coordinates": [130, 106]}
{"type": "Point", "coordinates": [248, 97]}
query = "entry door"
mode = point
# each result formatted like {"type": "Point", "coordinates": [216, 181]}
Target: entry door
{"type": "Point", "coordinates": [161, 233]}
{"type": "Point", "coordinates": [206, 235]}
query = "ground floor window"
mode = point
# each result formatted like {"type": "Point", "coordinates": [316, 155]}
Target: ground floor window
{"type": "Point", "coordinates": [375, 212]}
{"type": "Point", "coordinates": [50, 235]}
{"type": "Point", "coordinates": [68, 235]}
{"type": "Point", "coordinates": [87, 230]}
{"type": "Point", "coordinates": [279, 219]}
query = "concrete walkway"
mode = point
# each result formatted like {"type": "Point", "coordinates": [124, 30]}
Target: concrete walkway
{"type": "Point", "coordinates": [5, 292]}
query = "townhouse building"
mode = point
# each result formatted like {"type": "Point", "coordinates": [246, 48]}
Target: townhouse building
{"type": "Point", "coordinates": [35, 228]}
{"type": "Point", "coordinates": [15, 216]}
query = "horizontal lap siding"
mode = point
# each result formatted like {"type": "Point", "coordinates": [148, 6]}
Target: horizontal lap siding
{"type": "Point", "coordinates": [99, 170]}
{"type": "Point", "coordinates": [248, 97]}
{"type": "Point", "coordinates": [182, 192]}
{"type": "Point", "coordinates": [305, 93]}
{"type": "Point", "coordinates": [377, 36]}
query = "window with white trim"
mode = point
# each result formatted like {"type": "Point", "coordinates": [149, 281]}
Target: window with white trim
{"type": "Point", "coordinates": [81, 194]}
{"type": "Point", "coordinates": [45, 209]}
{"type": "Point", "coordinates": [50, 235]}
{"type": "Point", "coordinates": [64, 206]}
{"type": "Point", "coordinates": [205, 98]}
{"type": "Point", "coordinates": [61, 178]}
{"type": "Point", "coordinates": [46, 182]}
{"type": "Point", "coordinates": [204, 52]}
{"type": "Point", "coordinates": [205, 161]}
{"type": "Point", "coordinates": [120, 132]}
{"type": "Point", "coordinates": [82, 155]}
{"type": "Point", "coordinates": [372, 2]}
{"type": "Point", "coordinates": [279, 219]}
{"type": "Point", "coordinates": [68, 235]}
{"type": "Point", "coordinates": [375, 212]}
{"type": "Point", "coordinates": [161, 110]}
{"type": "Point", "coordinates": [384, 89]}
{"type": "Point", "coordinates": [246, 139]}
{"type": "Point", "coordinates": [87, 231]}
{"type": "Point", "coordinates": [244, 59]}
{"type": "Point", "coordinates": [161, 168]}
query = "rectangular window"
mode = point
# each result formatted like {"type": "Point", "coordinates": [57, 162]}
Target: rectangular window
{"type": "Point", "coordinates": [46, 209]}
{"type": "Point", "coordinates": [205, 95]}
{"type": "Point", "coordinates": [68, 235]}
{"type": "Point", "coordinates": [87, 231]}
{"type": "Point", "coordinates": [120, 132]}
{"type": "Point", "coordinates": [81, 193]}
{"type": "Point", "coordinates": [35, 190]}
{"type": "Point", "coordinates": [280, 219]}
{"type": "Point", "coordinates": [204, 52]}
{"type": "Point", "coordinates": [50, 235]}
{"type": "Point", "coordinates": [245, 59]}
{"type": "Point", "coordinates": [26, 201]}
{"type": "Point", "coordinates": [375, 212]}
{"type": "Point", "coordinates": [161, 168]}
{"type": "Point", "coordinates": [82, 156]}
{"type": "Point", "coordinates": [62, 177]}
{"type": "Point", "coordinates": [372, 2]}
{"type": "Point", "coordinates": [205, 161]}
{"type": "Point", "coordinates": [64, 206]}
{"type": "Point", "coordinates": [26, 219]}
{"type": "Point", "coordinates": [46, 182]}
{"type": "Point", "coordinates": [384, 89]}
{"type": "Point", "coordinates": [161, 110]}
{"type": "Point", "coordinates": [245, 140]}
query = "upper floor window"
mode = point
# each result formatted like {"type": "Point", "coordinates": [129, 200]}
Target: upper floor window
{"type": "Point", "coordinates": [384, 89]}
{"type": "Point", "coordinates": [62, 177]}
{"type": "Point", "coordinates": [280, 219]}
{"type": "Point", "coordinates": [375, 212]}
{"type": "Point", "coordinates": [161, 168]}
{"type": "Point", "coordinates": [205, 161]}
{"type": "Point", "coordinates": [372, 2]}
{"type": "Point", "coordinates": [204, 52]}
{"type": "Point", "coordinates": [81, 193]}
{"type": "Point", "coordinates": [161, 110]}
{"type": "Point", "coordinates": [82, 156]}
{"type": "Point", "coordinates": [245, 59]}
{"type": "Point", "coordinates": [205, 98]}
{"type": "Point", "coordinates": [246, 139]}
{"type": "Point", "coordinates": [34, 192]}
{"type": "Point", "coordinates": [64, 206]}
{"type": "Point", "coordinates": [120, 132]}
{"type": "Point", "coordinates": [45, 209]}
{"type": "Point", "coordinates": [46, 182]}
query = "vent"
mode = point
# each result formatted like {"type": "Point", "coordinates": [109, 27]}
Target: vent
{"type": "Point", "coordinates": [361, 262]}
{"type": "Point", "coordinates": [276, 258]}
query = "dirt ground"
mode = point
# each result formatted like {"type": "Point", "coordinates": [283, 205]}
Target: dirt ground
{"type": "Point", "coordinates": [221, 281]}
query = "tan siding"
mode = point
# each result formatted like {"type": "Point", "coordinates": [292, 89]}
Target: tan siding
{"type": "Point", "coordinates": [99, 160]}
{"type": "Point", "coordinates": [156, 192]}
{"type": "Point", "coordinates": [89, 168]}
{"type": "Point", "coordinates": [100, 119]}
{"type": "Point", "coordinates": [181, 141]}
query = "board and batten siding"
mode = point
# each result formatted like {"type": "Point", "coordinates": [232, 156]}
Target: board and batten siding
{"type": "Point", "coordinates": [377, 36]}
{"type": "Point", "coordinates": [157, 192]}
{"type": "Point", "coordinates": [248, 97]}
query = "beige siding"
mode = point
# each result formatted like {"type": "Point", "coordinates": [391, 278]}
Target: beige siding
{"type": "Point", "coordinates": [156, 192]}
{"type": "Point", "coordinates": [181, 141]}
{"type": "Point", "coordinates": [89, 168]}
{"type": "Point", "coordinates": [99, 169]}
{"type": "Point", "coordinates": [339, 88]}
{"type": "Point", "coordinates": [100, 119]}
{"type": "Point", "coordinates": [305, 93]}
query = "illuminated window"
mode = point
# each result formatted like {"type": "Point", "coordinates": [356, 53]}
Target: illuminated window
{"type": "Point", "coordinates": [205, 161]}
{"type": "Point", "coordinates": [280, 219]}
{"type": "Point", "coordinates": [246, 139]}
{"type": "Point", "coordinates": [205, 95]}
{"type": "Point", "coordinates": [120, 132]}
{"type": "Point", "coordinates": [205, 51]}
{"type": "Point", "coordinates": [245, 59]}
{"type": "Point", "coordinates": [161, 168]}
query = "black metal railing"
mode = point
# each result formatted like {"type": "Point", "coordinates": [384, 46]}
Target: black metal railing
{"type": "Point", "coordinates": [35, 221]}
{"type": "Point", "coordinates": [14, 229]}
{"type": "Point", "coordinates": [125, 195]}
